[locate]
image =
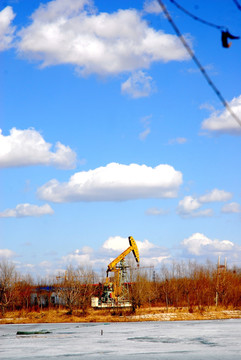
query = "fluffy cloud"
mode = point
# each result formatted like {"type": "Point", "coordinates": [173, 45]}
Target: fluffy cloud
{"type": "Point", "coordinates": [215, 195]}
{"type": "Point", "coordinates": [231, 208]}
{"type": "Point", "coordinates": [6, 30]}
{"type": "Point", "coordinates": [223, 122]}
{"type": "Point", "coordinates": [27, 147]}
{"type": "Point", "coordinates": [6, 253]}
{"type": "Point", "coordinates": [72, 32]}
{"type": "Point", "coordinates": [152, 7]}
{"type": "Point", "coordinates": [118, 243]}
{"type": "Point", "coordinates": [77, 258]}
{"type": "Point", "coordinates": [198, 244]}
{"type": "Point", "coordinates": [25, 210]}
{"type": "Point", "coordinates": [188, 206]}
{"type": "Point", "coordinates": [137, 85]}
{"type": "Point", "coordinates": [150, 254]}
{"type": "Point", "coordinates": [115, 182]}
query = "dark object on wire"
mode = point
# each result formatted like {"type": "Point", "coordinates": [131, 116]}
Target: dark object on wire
{"type": "Point", "coordinates": [197, 62]}
{"type": "Point", "coordinates": [225, 33]}
{"type": "Point", "coordinates": [225, 36]}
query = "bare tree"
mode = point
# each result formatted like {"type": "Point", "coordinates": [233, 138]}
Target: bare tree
{"type": "Point", "coordinates": [86, 279]}
{"type": "Point", "coordinates": [76, 288]}
{"type": "Point", "coordinates": [141, 289]}
{"type": "Point", "coordinates": [166, 284]}
{"type": "Point", "coordinates": [8, 278]}
{"type": "Point", "coordinates": [69, 289]}
{"type": "Point", "coordinates": [24, 289]}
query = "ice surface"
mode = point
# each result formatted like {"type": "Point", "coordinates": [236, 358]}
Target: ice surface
{"type": "Point", "coordinates": [193, 340]}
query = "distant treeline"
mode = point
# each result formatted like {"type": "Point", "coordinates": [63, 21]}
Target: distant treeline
{"type": "Point", "coordinates": [190, 285]}
{"type": "Point", "coordinates": [179, 285]}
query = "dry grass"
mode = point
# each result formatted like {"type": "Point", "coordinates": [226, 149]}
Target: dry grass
{"type": "Point", "coordinates": [143, 314]}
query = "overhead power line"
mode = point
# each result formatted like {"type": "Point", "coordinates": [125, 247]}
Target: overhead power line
{"type": "Point", "coordinates": [197, 62]}
{"type": "Point", "coordinates": [219, 27]}
{"type": "Point", "coordinates": [225, 33]}
{"type": "Point", "coordinates": [237, 4]}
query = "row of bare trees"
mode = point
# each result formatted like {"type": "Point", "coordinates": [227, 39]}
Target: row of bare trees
{"type": "Point", "coordinates": [180, 285]}
{"type": "Point", "coordinates": [188, 285]}
{"type": "Point", "coordinates": [73, 290]}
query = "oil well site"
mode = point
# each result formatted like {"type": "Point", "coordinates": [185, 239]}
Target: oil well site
{"type": "Point", "coordinates": [178, 292]}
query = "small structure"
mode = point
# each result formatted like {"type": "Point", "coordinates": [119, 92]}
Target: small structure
{"type": "Point", "coordinates": [43, 296]}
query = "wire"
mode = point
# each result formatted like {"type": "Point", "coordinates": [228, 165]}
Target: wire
{"type": "Point", "coordinates": [225, 33]}
{"type": "Point", "coordinates": [201, 68]}
{"type": "Point", "coordinates": [196, 17]}
{"type": "Point", "coordinates": [237, 4]}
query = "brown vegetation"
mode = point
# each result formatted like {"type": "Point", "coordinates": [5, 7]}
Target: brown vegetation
{"type": "Point", "coordinates": [182, 292]}
{"type": "Point", "coordinates": [142, 314]}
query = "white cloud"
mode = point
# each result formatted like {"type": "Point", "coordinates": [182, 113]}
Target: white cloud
{"type": "Point", "coordinates": [6, 30]}
{"type": "Point", "coordinates": [203, 213]}
{"type": "Point", "coordinates": [156, 211]}
{"type": "Point", "coordinates": [199, 244]}
{"type": "Point", "coordinates": [118, 243]}
{"type": "Point", "coordinates": [194, 214]}
{"type": "Point", "coordinates": [188, 204]}
{"type": "Point", "coordinates": [86, 250]}
{"type": "Point", "coordinates": [27, 147]}
{"type": "Point", "coordinates": [6, 253]}
{"type": "Point", "coordinates": [179, 140]}
{"type": "Point", "coordinates": [152, 7]}
{"type": "Point", "coordinates": [150, 254]}
{"type": "Point", "coordinates": [25, 210]}
{"type": "Point", "coordinates": [143, 135]}
{"type": "Point", "coordinates": [146, 122]}
{"type": "Point", "coordinates": [215, 195]}
{"type": "Point", "coordinates": [77, 258]}
{"type": "Point", "coordinates": [71, 32]}
{"type": "Point", "coordinates": [115, 182]}
{"type": "Point", "coordinates": [231, 208]}
{"type": "Point", "coordinates": [45, 264]}
{"type": "Point", "coordinates": [195, 242]}
{"type": "Point", "coordinates": [137, 85]}
{"type": "Point", "coordinates": [156, 260]}
{"type": "Point", "coordinates": [223, 122]}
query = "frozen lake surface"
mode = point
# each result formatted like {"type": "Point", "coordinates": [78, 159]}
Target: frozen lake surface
{"type": "Point", "coordinates": [197, 340]}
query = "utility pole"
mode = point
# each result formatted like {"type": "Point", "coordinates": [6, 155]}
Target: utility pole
{"type": "Point", "coordinates": [221, 270]}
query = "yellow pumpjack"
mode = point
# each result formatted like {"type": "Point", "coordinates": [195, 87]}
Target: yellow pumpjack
{"type": "Point", "coordinates": [114, 291]}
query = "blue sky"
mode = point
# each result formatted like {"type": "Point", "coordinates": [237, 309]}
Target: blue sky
{"type": "Point", "coordinates": [108, 129]}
